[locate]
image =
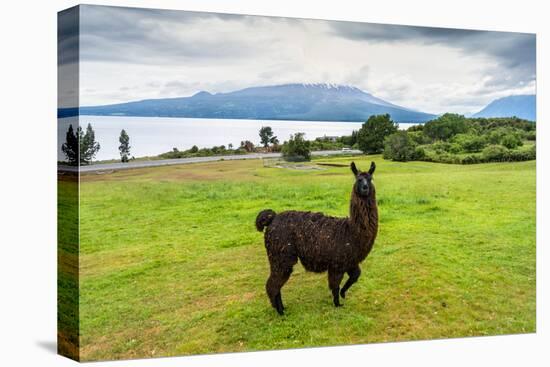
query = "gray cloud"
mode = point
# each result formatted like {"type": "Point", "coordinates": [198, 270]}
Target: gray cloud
{"type": "Point", "coordinates": [67, 36]}
{"type": "Point", "coordinates": [129, 53]}
{"type": "Point", "coordinates": [512, 51]}
{"type": "Point", "coordinates": [515, 48]}
{"type": "Point", "coordinates": [148, 36]}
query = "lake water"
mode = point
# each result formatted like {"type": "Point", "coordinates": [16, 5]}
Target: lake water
{"type": "Point", "coordinates": [154, 135]}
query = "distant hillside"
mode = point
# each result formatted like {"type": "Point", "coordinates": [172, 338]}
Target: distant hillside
{"type": "Point", "coordinates": [306, 102]}
{"type": "Point", "coordinates": [522, 106]}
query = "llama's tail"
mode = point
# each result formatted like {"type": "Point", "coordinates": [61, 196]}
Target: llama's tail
{"type": "Point", "coordinates": [264, 218]}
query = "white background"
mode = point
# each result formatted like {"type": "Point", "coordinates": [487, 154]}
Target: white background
{"type": "Point", "coordinates": [28, 182]}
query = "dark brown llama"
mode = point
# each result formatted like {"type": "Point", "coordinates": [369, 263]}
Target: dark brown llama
{"type": "Point", "coordinates": [322, 243]}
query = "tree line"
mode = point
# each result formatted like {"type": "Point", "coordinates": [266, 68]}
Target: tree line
{"type": "Point", "coordinates": [297, 148]}
{"type": "Point", "coordinates": [450, 138]}
{"type": "Point", "coordinates": [81, 146]}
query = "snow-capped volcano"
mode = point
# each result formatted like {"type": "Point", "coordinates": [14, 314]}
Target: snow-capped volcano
{"type": "Point", "coordinates": [297, 101]}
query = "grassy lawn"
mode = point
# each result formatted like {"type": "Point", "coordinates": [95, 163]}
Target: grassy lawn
{"type": "Point", "coordinates": [171, 262]}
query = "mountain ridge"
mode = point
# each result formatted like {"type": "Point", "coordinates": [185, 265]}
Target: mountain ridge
{"type": "Point", "coordinates": [521, 105]}
{"type": "Point", "coordinates": [293, 101]}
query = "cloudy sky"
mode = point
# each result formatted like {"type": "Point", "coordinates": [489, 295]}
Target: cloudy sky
{"type": "Point", "coordinates": [129, 54]}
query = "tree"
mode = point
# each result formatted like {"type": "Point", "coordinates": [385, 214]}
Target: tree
{"type": "Point", "coordinates": [370, 137]}
{"type": "Point", "coordinates": [124, 147]}
{"type": "Point", "coordinates": [88, 145]}
{"type": "Point", "coordinates": [445, 126]}
{"type": "Point", "coordinates": [70, 147]}
{"type": "Point", "coordinates": [296, 148]}
{"type": "Point", "coordinates": [349, 139]}
{"type": "Point", "coordinates": [247, 146]}
{"type": "Point", "coordinates": [267, 137]}
{"type": "Point", "coordinates": [400, 147]}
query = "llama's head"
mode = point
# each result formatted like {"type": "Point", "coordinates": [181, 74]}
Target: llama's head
{"type": "Point", "coordinates": [363, 180]}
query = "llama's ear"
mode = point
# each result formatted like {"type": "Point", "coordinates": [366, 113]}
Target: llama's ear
{"type": "Point", "coordinates": [354, 169]}
{"type": "Point", "coordinates": [372, 168]}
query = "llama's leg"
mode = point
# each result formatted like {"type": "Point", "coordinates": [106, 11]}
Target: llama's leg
{"type": "Point", "coordinates": [334, 280]}
{"type": "Point", "coordinates": [273, 287]}
{"type": "Point", "coordinates": [279, 300]}
{"type": "Point", "coordinates": [353, 274]}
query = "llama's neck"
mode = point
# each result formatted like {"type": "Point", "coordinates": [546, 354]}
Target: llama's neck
{"type": "Point", "coordinates": [364, 221]}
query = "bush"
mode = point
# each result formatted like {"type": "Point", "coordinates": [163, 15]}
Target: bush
{"type": "Point", "coordinates": [455, 148]}
{"type": "Point", "coordinates": [509, 137]}
{"type": "Point", "coordinates": [522, 155]}
{"type": "Point", "coordinates": [441, 147]}
{"type": "Point", "coordinates": [511, 141]}
{"type": "Point", "coordinates": [296, 148]}
{"type": "Point", "coordinates": [413, 128]}
{"type": "Point", "coordinates": [470, 143]}
{"type": "Point", "coordinates": [418, 137]}
{"type": "Point", "coordinates": [419, 153]}
{"type": "Point", "coordinates": [495, 153]}
{"type": "Point", "coordinates": [325, 144]}
{"type": "Point", "coordinates": [399, 147]}
{"type": "Point", "coordinates": [471, 159]}
{"type": "Point", "coordinates": [444, 157]}
{"type": "Point", "coordinates": [495, 136]}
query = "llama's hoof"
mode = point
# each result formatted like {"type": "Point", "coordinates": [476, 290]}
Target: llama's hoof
{"type": "Point", "coordinates": [281, 312]}
{"type": "Point", "coordinates": [338, 305]}
{"type": "Point", "coordinates": [342, 294]}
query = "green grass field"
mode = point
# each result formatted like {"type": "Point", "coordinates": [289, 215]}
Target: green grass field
{"type": "Point", "coordinates": [171, 262]}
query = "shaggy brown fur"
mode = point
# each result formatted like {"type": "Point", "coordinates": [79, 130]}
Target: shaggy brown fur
{"type": "Point", "coordinates": [322, 243]}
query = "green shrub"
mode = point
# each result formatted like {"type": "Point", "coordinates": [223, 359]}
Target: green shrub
{"type": "Point", "coordinates": [471, 159]}
{"type": "Point", "coordinates": [495, 136]}
{"type": "Point", "coordinates": [418, 137]}
{"type": "Point", "coordinates": [399, 147]}
{"type": "Point", "coordinates": [419, 153]}
{"type": "Point", "coordinates": [444, 157]}
{"type": "Point", "coordinates": [506, 136]}
{"type": "Point", "coordinates": [522, 155]}
{"type": "Point", "coordinates": [495, 153]}
{"type": "Point", "coordinates": [441, 147]}
{"type": "Point", "coordinates": [296, 148]}
{"type": "Point", "coordinates": [511, 141]}
{"type": "Point", "coordinates": [470, 143]}
{"type": "Point", "coordinates": [413, 128]}
{"type": "Point", "coordinates": [455, 148]}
